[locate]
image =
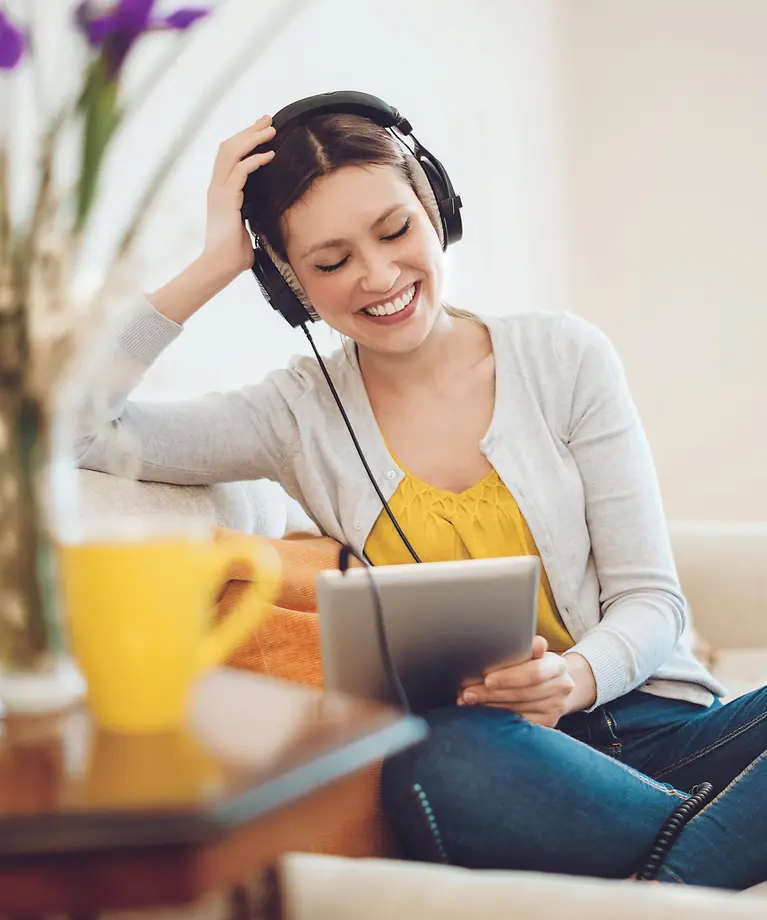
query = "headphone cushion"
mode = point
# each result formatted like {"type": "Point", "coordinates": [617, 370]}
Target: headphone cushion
{"type": "Point", "coordinates": [289, 276]}
{"type": "Point", "coordinates": [425, 193]}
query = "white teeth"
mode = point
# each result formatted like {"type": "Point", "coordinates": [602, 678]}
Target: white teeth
{"type": "Point", "coordinates": [392, 306]}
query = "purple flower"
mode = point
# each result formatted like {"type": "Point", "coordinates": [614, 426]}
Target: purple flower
{"type": "Point", "coordinates": [13, 43]}
{"type": "Point", "coordinates": [116, 30]}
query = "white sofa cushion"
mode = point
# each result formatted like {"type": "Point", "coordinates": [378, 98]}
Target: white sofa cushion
{"type": "Point", "coordinates": [251, 507]}
{"type": "Point", "coordinates": [331, 888]}
{"type": "Point", "coordinates": [740, 669]}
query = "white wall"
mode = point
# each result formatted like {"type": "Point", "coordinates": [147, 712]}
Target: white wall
{"type": "Point", "coordinates": [665, 107]}
{"type": "Point", "coordinates": [611, 155]}
{"type": "Point", "coordinates": [476, 82]}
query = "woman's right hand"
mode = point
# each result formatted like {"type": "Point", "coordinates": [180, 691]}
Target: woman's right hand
{"type": "Point", "coordinates": [228, 248]}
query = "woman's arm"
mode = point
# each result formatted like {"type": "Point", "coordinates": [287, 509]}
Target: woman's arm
{"type": "Point", "coordinates": [641, 602]}
{"type": "Point", "coordinates": [222, 437]}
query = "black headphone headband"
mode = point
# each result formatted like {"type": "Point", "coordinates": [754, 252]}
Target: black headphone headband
{"type": "Point", "coordinates": [349, 102]}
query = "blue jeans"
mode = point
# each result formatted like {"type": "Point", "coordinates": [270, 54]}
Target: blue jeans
{"type": "Point", "coordinates": [490, 790]}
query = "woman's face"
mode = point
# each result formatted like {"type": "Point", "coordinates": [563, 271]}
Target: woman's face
{"type": "Point", "coordinates": [368, 257]}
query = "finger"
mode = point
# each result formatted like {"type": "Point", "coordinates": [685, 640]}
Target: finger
{"type": "Point", "coordinates": [232, 150]}
{"type": "Point", "coordinates": [528, 673]}
{"type": "Point", "coordinates": [247, 166]}
{"type": "Point", "coordinates": [539, 648]}
{"type": "Point", "coordinates": [556, 688]}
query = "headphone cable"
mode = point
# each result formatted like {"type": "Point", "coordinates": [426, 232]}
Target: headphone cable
{"type": "Point", "coordinates": [383, 643]}
{"type": "Point", "coordinates": [348, 424]}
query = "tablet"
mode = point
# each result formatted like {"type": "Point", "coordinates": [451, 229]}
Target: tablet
{"type": "Point", "coordinates": [447, 624]}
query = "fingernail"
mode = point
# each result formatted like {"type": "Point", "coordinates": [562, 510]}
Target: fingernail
{"type": "Point", "coordinates": [470, 698]}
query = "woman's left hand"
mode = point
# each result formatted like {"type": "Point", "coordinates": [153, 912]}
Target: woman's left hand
{"type": "Point", "coordinates": [541, 689]}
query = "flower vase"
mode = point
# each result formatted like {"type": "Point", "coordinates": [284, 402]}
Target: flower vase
{"type": "Point", "coordinates": [37, 675]}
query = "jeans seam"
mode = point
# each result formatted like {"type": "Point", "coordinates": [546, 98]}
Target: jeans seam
{"type": "Point", "coordinates": [755, 762]}
{"type": "Point", "coordinates": [650, 781]}
{"type": "Point", "coordinates": [684, 761]}
{"type": "Point", "coordinates": [428, 813]}
{"type": "Point", "coordinates": [674, 878]}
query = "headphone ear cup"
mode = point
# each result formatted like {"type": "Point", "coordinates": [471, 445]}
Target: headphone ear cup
{"type": "Point", "coordinates": [276, 290]}
{"type": "Point", "coordinates": [452, 226]}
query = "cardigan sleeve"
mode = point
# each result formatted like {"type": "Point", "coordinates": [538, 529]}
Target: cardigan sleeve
{"type": "Point", "coordinates": [642, 609]}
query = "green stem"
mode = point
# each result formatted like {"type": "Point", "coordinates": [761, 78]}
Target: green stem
{"type": "Point", "coordinates": [98, 104]}
{"type": "Point", "coordinates": [30, 623]}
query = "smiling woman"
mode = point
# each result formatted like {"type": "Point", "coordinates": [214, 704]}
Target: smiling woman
{"type": "Point", "coordinates": [387, 264]}
{"type": "Point", "coordinates": [487, 437]}
{"type": "Point", "coordinates": [342, 210]}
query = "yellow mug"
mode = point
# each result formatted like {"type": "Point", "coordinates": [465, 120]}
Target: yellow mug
{"type": "Point", "coordinates": [139, 608]}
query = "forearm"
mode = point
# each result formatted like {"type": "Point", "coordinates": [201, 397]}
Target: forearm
{"type": "Point", "coordinates": [183, 296]}
{"type": "Point", "coordinates": [634, 638]}
{"type": "Point", "coordinates": [584, 693]}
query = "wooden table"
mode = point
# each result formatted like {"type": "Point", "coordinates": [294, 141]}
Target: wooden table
{"type": "Point", "coordinates": [92, 821]}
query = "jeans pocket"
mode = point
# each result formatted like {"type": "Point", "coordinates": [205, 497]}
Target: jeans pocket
{"type": "Point", "coordinates": [612, 750]}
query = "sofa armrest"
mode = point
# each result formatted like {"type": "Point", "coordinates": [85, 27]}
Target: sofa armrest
{"type": "Point", "coordinates": [258, 507]}
{"type": "Point", "coordinates": [723, 570]}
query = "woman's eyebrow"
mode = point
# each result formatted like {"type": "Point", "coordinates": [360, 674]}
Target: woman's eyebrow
{"type": "Point", "coordinates": [328, 244]}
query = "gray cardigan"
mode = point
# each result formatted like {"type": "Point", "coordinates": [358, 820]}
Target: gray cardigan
{"type": "Point", "coordinates": [565, 438]}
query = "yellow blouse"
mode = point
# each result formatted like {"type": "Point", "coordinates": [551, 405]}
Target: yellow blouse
{"type": "Point", "coordinates": [482, 522]}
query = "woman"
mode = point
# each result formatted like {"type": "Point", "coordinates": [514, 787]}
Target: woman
{"type": "Point", "coordinates": [490, 437]}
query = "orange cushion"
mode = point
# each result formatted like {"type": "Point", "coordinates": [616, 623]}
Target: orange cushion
{"type": "Point", "coordinates": [287, 646]}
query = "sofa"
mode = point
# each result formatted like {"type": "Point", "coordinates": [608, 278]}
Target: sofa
{"type": "Point", "coordinates": [723, 569]}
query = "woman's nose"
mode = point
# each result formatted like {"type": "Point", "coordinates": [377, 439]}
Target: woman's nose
{"type": "Point", "coordinates": [379, 276]}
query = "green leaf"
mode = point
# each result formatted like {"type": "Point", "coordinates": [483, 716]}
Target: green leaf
{"type": "Point", "coordinates": [101, 116]}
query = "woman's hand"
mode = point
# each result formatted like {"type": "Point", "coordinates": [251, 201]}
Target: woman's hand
{"type": "Point", "coordinates": [228, 249]}
{"type": "Point", "coordinates": [542, 689]}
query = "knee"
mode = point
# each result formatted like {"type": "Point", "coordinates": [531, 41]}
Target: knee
{"type": "Point", "coordinates": [424, 790]}
{"type": "Point", "coordinates": [456, 750]}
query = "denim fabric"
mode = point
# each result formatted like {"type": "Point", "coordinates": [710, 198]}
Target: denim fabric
{"type": "Point", "coordinates": [488, 789]}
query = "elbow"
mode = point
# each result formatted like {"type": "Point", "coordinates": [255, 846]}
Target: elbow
{"type": "Point", "coordinates": [81, 450]}
{"type": "Point", "coordinates": [678, 605]}
{"type": "Point", "coordinates": [88, 452]}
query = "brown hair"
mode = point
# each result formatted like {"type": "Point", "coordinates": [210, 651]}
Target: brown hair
{"type": "Point", "coordinates": [307, 151]}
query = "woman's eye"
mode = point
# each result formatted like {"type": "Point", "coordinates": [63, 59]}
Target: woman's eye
{"type": "Point", "coordinates": [401, 232]}
{"type": "Point", "coordinates": [387, 239]}
{"type": "Point", "coordinates": [333, 268]}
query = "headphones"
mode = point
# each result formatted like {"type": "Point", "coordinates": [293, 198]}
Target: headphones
{"type": "Point", "coordinates": [273, 286]}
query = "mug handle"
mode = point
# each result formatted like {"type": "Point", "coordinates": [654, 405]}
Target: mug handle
{"type": "Point", "coordinates": [252, 607]}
